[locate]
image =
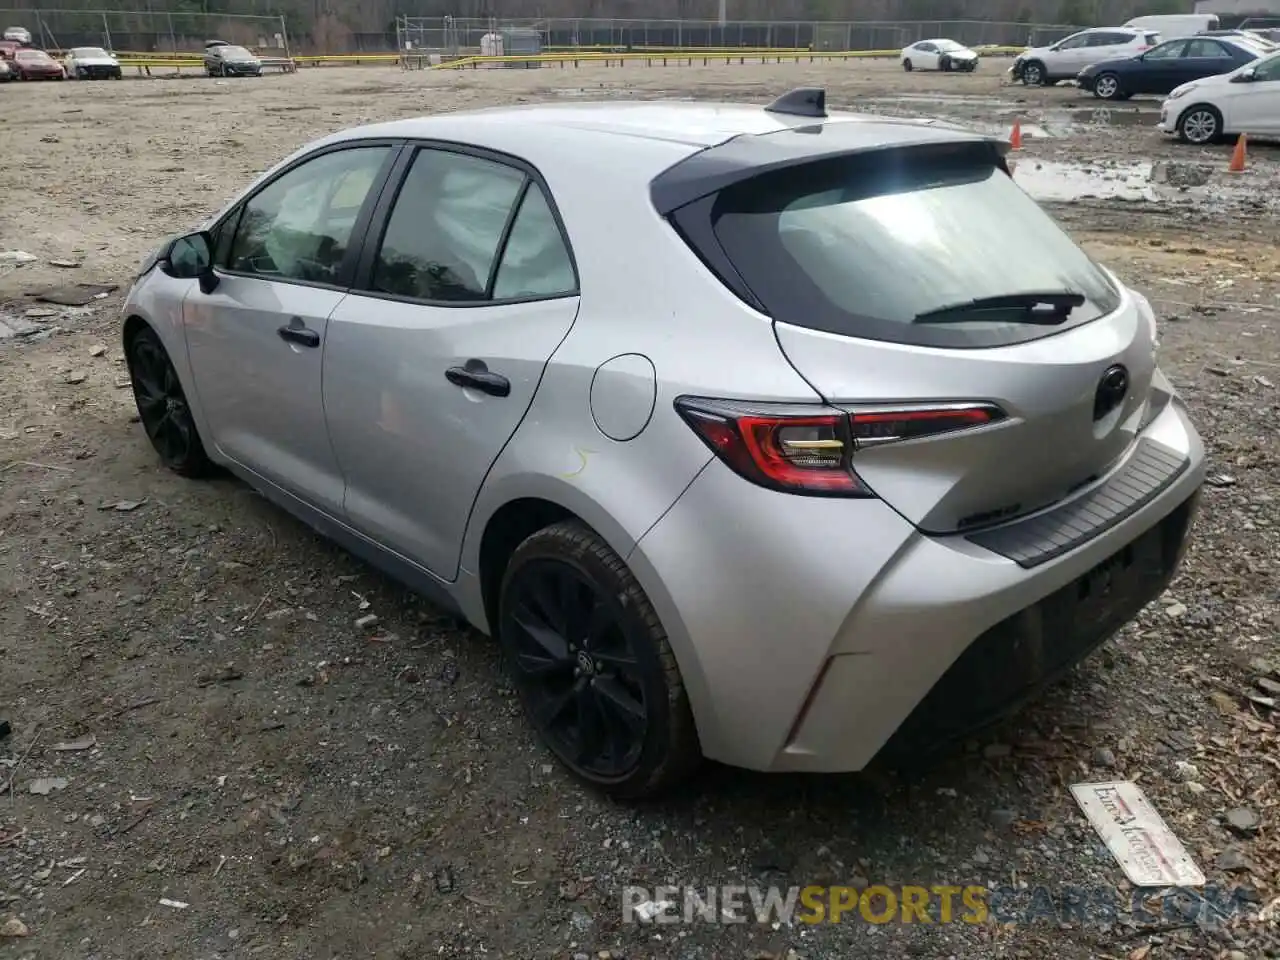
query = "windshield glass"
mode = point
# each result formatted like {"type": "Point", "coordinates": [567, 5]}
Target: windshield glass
{"type": "Point", "coordinates": [235, 53]}
{"type": "Point", "coordinates": [88, 53]}
{"type": "Point", "coordinates": [31, 55]}
{"type": "Point", "coordinates": [863, 245]}
{"type": "Point", "coordinates": [948, 45]}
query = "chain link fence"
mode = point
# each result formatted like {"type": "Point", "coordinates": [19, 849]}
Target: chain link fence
{"type": "Point", "coordinates": [151, 31]}
{"type": "Point", "coordinates": [147, 31]}
{"type": "Point", "coordinates": [457, 35]}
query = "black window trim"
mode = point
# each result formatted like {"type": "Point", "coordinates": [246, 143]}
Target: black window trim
{"type": "Point", "coordinates": [376, 229]}
{"type": "Point", "coordinates": [358, 230]}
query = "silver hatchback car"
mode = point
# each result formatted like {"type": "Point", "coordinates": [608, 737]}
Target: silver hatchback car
{"type": "Point", "coordinates": [779, 437]}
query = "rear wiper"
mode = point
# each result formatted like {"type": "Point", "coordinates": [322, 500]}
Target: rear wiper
{"type": "Point", "coordinates": [1047, 307]}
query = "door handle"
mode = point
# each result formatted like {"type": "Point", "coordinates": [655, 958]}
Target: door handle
{"type": "Point", "coordinates": [476, 377]}
{"type": "Point", "coordinates": [296, 332]}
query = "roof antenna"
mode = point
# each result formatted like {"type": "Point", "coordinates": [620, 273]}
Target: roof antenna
{"type": "Point", "coordinates": [801, 102]}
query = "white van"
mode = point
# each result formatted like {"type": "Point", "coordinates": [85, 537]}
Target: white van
{"type": "Point", "coordinates": [1177, 26]}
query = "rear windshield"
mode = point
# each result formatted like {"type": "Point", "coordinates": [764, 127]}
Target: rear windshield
{"type": "Point", "coordinates": [864, 245]}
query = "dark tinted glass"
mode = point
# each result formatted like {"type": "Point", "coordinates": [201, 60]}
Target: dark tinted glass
{"type": "Point", "coordinates": [443, 234]}
{"type": "Point", "coordinates": [863, 245]}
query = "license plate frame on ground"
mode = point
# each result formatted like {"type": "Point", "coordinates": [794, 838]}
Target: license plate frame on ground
{"type": "Point", "coordinates": [1137, 836]}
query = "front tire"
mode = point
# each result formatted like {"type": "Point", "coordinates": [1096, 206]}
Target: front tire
{"type": "Point", "coordinates": [906, 65]}
{"type": "Point", "coordinates": [1033, 74]}
{"type": "Point", "coordinates": [1107, 87]}
{"type": "Point", "coordinates": [1200, 124]}
{"type": "Point", "coordinates": [163, 407]}
{"type": "Point", "coordinates": [945, 64]}
{"type": "Point", "coordinates": [592, 666]}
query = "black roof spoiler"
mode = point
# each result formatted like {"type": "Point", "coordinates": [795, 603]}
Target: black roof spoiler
{"type": "Point", "coordinates": [746, 156]}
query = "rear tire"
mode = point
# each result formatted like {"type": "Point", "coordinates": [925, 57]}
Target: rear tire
{"type": "Point", "coordinates": [592, 666]}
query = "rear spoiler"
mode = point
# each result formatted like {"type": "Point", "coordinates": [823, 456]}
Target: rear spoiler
{"type": "Point", "coordinates": [749, 155]}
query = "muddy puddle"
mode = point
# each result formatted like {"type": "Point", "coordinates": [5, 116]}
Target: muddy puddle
{"type": "Point", "coordinates": [1160, 181]}
{"type": "Point", "coordinates": [996, 117]}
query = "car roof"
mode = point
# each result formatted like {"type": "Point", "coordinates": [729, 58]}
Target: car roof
{"type": "Point", "coordinates": [613, 123]}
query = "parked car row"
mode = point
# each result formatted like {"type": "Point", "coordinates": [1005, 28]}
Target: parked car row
{"type": "Point", "coordinates": [1169, 65]}
{"type": "Point", "coordinates": [19, 60]}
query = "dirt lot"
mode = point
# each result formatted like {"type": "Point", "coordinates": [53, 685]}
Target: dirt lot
{"type": "Point", "coordinates": [309, 791]}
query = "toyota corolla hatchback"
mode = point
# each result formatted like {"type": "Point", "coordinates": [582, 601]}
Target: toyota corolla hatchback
{"type": "Point", "coordinates": [781, 438]}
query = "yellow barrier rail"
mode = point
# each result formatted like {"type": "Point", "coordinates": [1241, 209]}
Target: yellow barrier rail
{"type": "Point", "coordinates": [564, 57]}
{"type": "Point", "coordinates": [690, 57]}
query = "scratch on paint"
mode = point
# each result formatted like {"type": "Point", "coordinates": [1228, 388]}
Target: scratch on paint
{"type": "Point", "coordinates": [582, 455]}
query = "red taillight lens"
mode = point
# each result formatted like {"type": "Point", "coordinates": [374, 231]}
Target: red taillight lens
{"type": "Point", "coordinates": [872, 426]}
{"type": "Point", "coordinates": [809, 449]}
{"type": "Point", "coordinates": [798, 449]}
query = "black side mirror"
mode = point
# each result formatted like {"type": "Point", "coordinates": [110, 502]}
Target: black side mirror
{"type": "Point", "coordinates": [190, 257]}
{"type": "Point", "coordinates": [1245, 76]}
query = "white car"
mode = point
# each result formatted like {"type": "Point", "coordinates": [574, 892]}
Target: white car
{"type": "Point", "coordinates": [943, 55]}
{"type": "Point", "coordinates": [17, 34]}
{"type": "Point", "coordinates": [91, 63]}
{"type": "Point", "coordinates": [1066, 58]}
{"type": "Point", "coordinates": [1246, 100]}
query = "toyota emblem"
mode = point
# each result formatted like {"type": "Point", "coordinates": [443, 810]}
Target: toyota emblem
{"type": "Point", "coordinates": [1112, 389]}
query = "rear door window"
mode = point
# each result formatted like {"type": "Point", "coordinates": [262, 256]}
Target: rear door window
{"type": "Point", "coordinates": [869, 245]}
{"type": "Point", "coordinates": [1205, 48]}
{"type": "Point", "coordinates": [444, 232]}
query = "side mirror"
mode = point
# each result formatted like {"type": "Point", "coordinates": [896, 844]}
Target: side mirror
{"type": "Point", "coordinates": [190, 257]}
{"type": "Point", "coordinates": [1245, 76]}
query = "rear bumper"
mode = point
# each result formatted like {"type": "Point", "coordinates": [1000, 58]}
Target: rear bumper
{"type": "Point", "coordinates": [825, 629]}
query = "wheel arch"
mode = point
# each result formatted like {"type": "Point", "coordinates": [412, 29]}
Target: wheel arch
{"type": "Point", "coordinates": [173, 339]}
{"type": "Point", "coordinates": [507, 524]}
{"type": "Point", "coordinates": [1203, 105]}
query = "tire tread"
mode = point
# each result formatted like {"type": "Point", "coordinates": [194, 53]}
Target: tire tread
{"type": "Point", "coordinates": [683, 755]}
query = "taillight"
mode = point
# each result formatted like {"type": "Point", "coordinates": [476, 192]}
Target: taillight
{"type": "Point", "coordinates": [810, 449]}
{"type": "Point", "coordinates": [877, 425]}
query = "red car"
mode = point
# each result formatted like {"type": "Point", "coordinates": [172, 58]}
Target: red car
{"type": "Point", "coordinates": [8, 48]}
{"type": "Point", "coordinates": [36, 65]}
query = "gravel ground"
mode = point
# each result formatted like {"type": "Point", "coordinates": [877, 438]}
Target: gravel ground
{"type": "Point", "coordinates": [196, 718]}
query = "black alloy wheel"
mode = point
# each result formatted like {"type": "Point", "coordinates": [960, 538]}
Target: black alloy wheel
{"type": "Point", "coordinates": [163, 407]}
{"type": "Point", "coordinates": [591, 664]}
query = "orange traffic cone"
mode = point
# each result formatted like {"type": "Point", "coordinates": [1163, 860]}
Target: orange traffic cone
{"type": "Point", "coordinates": [1015, 138]}
{"type": "Point", "coordinates": [1239, 154]}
